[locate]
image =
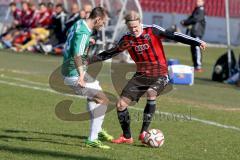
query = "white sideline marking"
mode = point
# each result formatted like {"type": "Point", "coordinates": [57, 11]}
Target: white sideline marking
{"type": "Point", "coordinates": [37, 88]}
{"type": "Point", "coordinates": [211, 123]}
{"type": "Point", "coordinates": [23, 80]}
{"type": "Point", "coordinates": [194, 119]}
{"type": "Point", "coordinates": [19, 71]}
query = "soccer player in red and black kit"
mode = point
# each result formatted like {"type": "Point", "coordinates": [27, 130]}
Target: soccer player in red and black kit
{"type": "Point", "coordinates": [145, 47]}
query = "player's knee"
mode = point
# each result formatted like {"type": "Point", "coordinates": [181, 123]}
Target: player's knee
{"type": "Point", "coordinates": [151, 94]}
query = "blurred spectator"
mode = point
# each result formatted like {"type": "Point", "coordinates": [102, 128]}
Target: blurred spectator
{"type": "Point", "coordinates": [88, 9]}
{"type": "Point", "coordinates": [27, 15]}
{"type": "Point", "coordinates": [58, 24]}
{"type": "Point", "coordinates": [58, 28]}
{"type": "Point", "coordinates": [35, 15]}
{"type": "Point", "coordinates": [38, 32]}
{"type": "Point", "coordinates": [44, 17]}
{"type": "Point", "coordinates": [16, 13]}
{"type": "Point", "coordinates": [7, 37]}
{"type": "Point", "coordinates": [50, 7]}
{"type": "Point", "coordinates": [82, 14]}
{"type": "Point", "coordinates": [235, 78]}
{"type": "Point", "coordinates": [33, 6]}
{"type": "Point", "coordinates": [37, 35]}
{"type": "Point", "coordinates": [75, 16]}
{"type": "Point", "coordinates": [196, 22]}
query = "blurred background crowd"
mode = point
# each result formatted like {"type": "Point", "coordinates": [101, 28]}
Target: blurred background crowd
{"type": "Point", "coordinates": [41, 28]}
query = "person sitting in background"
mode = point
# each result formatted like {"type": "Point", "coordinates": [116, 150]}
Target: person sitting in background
{"type": "Point", "coordinates": [57, 36]}
{"type": "Point", "coordinates": [40, 33]}
{"type": "Point", "coordinates": [37, 35]}
{"type": "Point", "coordinates": [35, 16]}
{"type": "Point", "coordinates": [44, 17]}
{"type": "Point", "coordinates": [58, 25]}
{"type": "Point", "coordinates": [235, 78]}
{"type": "Point", "coordinates": [16, 13]}
{"type": "Point", "coordinates": [88, 9]}
{"type": "Point", "coordinates": [74, 17]}
{"type": "Point", "coordinates": [28, 20]}
{"type": "Point", "coordinates": [27, 15]}
{"type": "Point", "coordinates": [7, 35]}
{"type": "Point", "coordinates": [50, 7]}
{"type": "Point", "coordinates": [82, 14]}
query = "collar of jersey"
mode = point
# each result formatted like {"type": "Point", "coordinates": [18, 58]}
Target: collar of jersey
{"type": "Point", "coordinates": [85, 23]}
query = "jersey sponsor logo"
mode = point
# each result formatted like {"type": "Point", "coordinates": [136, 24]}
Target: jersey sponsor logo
{"type": "Point", "coordinates": [140, 48]}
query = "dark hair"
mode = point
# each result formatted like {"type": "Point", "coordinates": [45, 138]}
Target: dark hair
{"type": "Point", "coordinates": [98, 12]}
{"type": "Point", "coordinates": [50, 4]}
{"type": "Point", "coordinates": [12, 4]}
{"type": "Point", "coordinates": [25, 2]}
{"type": "Point", "coordinates": [42, 4]}
{"type": "Point", "coordinates": [59, 5]}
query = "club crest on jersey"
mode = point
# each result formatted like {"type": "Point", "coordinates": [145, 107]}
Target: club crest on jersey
{"type": "Point", "coordinates": [147, 37]}
{"type": "Point", "coordinates": [140, 48]}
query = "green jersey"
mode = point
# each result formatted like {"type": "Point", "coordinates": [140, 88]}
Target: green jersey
{"type": "Point", "coordinates": [76, 45]}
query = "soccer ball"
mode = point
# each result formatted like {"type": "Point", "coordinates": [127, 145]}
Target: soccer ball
{"type": "Point", "coordinates": [154, 138]}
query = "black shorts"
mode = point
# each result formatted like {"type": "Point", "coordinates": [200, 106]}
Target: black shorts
{"type": "Point", "coordinates": [139, 84]}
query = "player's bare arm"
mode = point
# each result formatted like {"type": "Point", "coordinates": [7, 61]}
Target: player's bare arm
{"type": "Point", "coordinates": [120, 47]}
{"type": "Point", "coordinates": [79, 66]}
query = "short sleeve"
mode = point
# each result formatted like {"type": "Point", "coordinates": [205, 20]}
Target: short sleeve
{"type": "Point", "coordinates": [79, 43]}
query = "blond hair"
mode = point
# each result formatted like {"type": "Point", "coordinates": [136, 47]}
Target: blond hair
{"type": "Point", "coordinates": [132, 16]}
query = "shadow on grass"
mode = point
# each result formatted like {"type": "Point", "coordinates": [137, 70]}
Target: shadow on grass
{"type": "Point", "coordinates": [141, 146]}
{"type": "Point", "coordinates": [42, 138]}
{"type": "Point", "coordinates": [55, 154]}
{"type": "Point", "coordinates": [31, 139]}
{"type": "Point", "coordinates": [44, 133]}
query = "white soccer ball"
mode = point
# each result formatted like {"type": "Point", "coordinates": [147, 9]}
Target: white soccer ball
{"type": "Point", "coordinates": [154, 138]}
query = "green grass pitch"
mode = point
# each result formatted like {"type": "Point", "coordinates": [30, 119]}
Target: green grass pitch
{"type": "Point", "coordinates": [30, 130]}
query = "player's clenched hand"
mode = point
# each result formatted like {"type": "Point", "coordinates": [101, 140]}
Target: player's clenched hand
{"type": "Point", "coordinates": [92, 41]}
{"type": "Point", "coordinates": [81, 81]}
{"type": "Point", "coordinates": [203, 45]}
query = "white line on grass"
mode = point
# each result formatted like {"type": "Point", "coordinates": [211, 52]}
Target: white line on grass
{"type": "Point", "coordinates": [194, 119]}
{"type": "Point", "coordinates": [211, 123]}
{"type": "Point", "coordinates": [23, 80]}
{"type": "Point", "coordinates": [18, 71]}
{"type": "Point", "coordinates": [37, 88]}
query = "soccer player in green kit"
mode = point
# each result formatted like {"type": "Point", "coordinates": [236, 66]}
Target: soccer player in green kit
{"type": "Point", "coordinates": [75, 75]}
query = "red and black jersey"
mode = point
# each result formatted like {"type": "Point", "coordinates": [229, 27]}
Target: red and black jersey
{"type": "Point", "coordinates": [147, 49]}
{"type": "Point", "coordinates": [17, 14]}
{"type": "Point", "coordinates": [147, 52]}
{"type": "Point", "coordinates": [43, 19]}
{"type": "Point", "coordinates": [26, 19]}
{"type": "Point", "coordinates": [33, 21]}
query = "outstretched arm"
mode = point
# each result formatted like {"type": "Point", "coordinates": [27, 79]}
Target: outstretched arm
{"type": "Point", "coordinates": [179, 37]}
{"type": "Point", "coordinates": [120, 47]}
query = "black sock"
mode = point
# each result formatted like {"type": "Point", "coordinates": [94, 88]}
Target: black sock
{"type": "Point", "coordinates": [124, 120]}
{"type": "Point", "coordinates": [148, 114]}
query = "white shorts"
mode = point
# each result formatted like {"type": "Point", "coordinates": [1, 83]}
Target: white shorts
{"type": "Point", "coordinates": [90, 90]}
